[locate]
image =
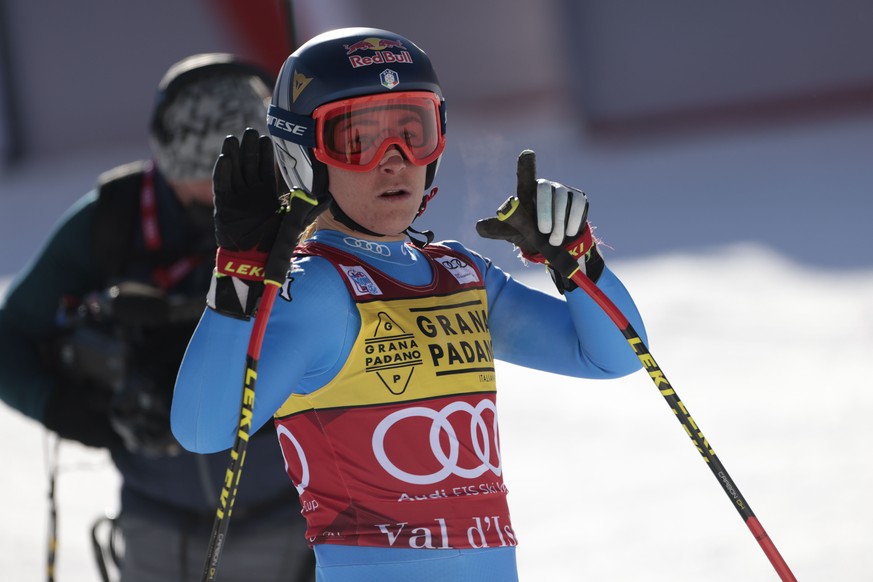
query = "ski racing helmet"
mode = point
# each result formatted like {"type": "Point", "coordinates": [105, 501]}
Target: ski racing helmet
{"type": "Point", "coordinates": [337, 75]}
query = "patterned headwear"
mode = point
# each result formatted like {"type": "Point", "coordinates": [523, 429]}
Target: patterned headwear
{"type": "Point", "coordinates": [201, 100]}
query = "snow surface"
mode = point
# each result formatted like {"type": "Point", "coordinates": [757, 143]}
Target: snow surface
{"type": "Point", "coordinates": [767, 347]}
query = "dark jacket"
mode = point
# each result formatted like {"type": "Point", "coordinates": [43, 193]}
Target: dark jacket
{"type": "Point", "coordinates": [71, 264]}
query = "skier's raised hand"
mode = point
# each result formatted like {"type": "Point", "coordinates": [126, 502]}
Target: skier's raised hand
{"type": "Point", "coordinates": [250, 220]}
{"type": "Point", "coordinates": [245, 195]}
{"type": "Point", "coordinates": [544, 219]}
{"type": "Point", "coordinates": [247, 218]}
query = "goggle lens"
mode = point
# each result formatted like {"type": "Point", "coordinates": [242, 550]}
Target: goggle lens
{"type": "Point", "coordinates": [355, 133]}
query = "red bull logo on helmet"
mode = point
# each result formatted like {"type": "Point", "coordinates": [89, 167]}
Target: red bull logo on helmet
{"type": "Point", "coordinates": [377, 46]}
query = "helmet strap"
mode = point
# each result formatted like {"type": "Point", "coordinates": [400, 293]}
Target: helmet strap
{"type": "Point", "coordinates": [320, 185]}
{"type": "Point", "coordinates": [427, 234]}
{"type": "Point", "coordinates": [347, 220]}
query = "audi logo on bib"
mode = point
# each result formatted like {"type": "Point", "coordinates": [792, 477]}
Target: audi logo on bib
{"type": "Point", "coordinates": [368, 245]}
{"type": "Point", "coordinates": [421, 473]}
{"type": "Point", "coordinates": [282, 431]}
{"type": "Point", "coordinates": [474, 433]}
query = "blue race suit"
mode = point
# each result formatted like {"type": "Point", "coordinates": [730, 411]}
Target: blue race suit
{"type": "Point", "coordinates": [312, 335]}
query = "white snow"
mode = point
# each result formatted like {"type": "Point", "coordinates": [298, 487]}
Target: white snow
{"type": "Point", "coordinates": [769, 353]}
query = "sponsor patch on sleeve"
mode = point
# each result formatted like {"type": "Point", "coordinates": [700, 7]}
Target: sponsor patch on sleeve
{"type": "Point", "coordinates": [362, 283]}
{"type": "Point", "coordinates": [460, 270]}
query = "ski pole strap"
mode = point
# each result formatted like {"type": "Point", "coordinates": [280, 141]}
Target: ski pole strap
{"type": "Point", "coordinates": [299, 209]}
{"type": "Point", "coordinates": [558, 258]}
{"type": "Point", "coordinates": [578, 248]}
{"type": "Point", "coordinates": [583, 249]}
{"type": "Point", "coordinates": [254, 265]}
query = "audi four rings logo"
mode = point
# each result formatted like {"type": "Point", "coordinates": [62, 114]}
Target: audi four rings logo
{"type": "Point", "coordinates": [453, 263]}
{"type": "Point", "coordinates": [479, 436]}
{"type": "Point", "coordinates": [460, 270]}
{"type": "Point", "coordinates": [304, 464]}
{"type": "Point", "coordinates": [368, 245]}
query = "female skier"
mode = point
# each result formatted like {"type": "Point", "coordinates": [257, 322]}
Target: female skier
{"type": "Point", "coordinates": [377, 365]}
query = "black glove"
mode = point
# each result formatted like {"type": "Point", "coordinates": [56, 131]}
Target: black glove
{"type": "Point", "coordinates": [247, 219]}
{"type": "Point", "coordinates": [140, 414]}
{"type": "Point", "coordinates": [250, 219]}
{"type": "Point", "coordinates": [81, 415]}
{"type": "Point", "coordinates": [246, 196]}
{"type": "Point", "coordinates": [548, 223]}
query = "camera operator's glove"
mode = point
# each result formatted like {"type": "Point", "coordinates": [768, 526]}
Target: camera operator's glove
{"type": "Point", "coordinates": [250, 220]}
{"type": "Point", "coordinates": [140, 414]}
{"type": "Point", "coordinates": [544, 219]}
{"type": "Point", "coordinates": [81, 415]}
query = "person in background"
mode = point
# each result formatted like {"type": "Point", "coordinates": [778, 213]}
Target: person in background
{"type": "Point", "coordinates": [377, 364]}
{"type": "Point", "coordinates": [92, 332]}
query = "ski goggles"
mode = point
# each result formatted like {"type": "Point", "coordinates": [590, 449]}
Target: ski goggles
{"type": "Point", "coordinates": [355, 133]}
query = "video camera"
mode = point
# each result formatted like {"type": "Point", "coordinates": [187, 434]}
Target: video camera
{"type": "Point", "coordinates": [123, 347]}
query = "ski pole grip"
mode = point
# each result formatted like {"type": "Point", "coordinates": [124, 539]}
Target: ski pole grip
{"type": "Point", "coordinates": [300, 210]}
{"type": "Point", "coordinates": [559, 258]}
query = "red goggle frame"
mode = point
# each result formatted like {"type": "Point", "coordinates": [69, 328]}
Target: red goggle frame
{"type": "Point", "coordinates": [355, 133]}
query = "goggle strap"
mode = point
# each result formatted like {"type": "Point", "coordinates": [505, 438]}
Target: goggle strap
{"type": "Point", "coordinates": [284, 124]}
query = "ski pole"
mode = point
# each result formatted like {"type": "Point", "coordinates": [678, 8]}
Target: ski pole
{"type": "Point", "coordinates": [560, 259]}
{"type": "Point", "coordinates": [691, 427]}
{"type": "Point", "coordinates": [52, 447]}
{"type": "Point", "coordinates": [298, 211]}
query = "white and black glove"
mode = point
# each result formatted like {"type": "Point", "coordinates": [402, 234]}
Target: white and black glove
{"type": "Point", "coordinates": [548, 222]}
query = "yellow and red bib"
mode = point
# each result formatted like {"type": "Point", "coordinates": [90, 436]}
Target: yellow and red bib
{"type": "Point", "coordinates": [401, 448]}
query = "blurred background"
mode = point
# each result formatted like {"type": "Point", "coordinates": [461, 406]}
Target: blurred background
{"type": "Point", "coordinates": [726, 151]}
{"type": "Point", "coordinates": [689, 124]}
